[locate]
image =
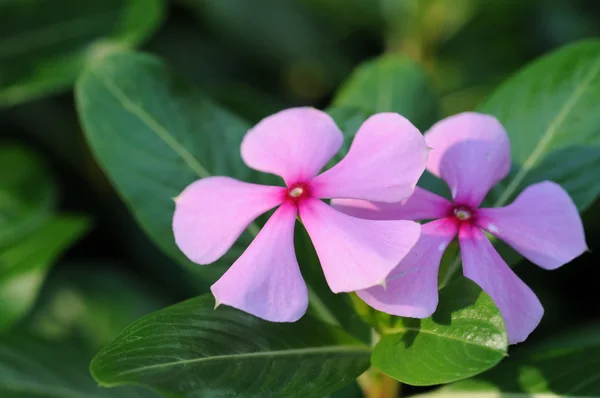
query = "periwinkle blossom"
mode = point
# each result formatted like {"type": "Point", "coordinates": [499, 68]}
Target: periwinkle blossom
{"type": "Point", "coordinates": [384, 163]}
{"type": "Point", "coordinates": [471, 153]}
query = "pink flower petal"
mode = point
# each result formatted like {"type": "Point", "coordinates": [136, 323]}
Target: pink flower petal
{"type": "Point", "coordinates": [542, 224]}
{"type": "Point", "coordinates": [517, 303]}
{"type": "Point", "coordinates": [295, 144]}
{"type": "Point", "coordinates": [412, 287]}
{"type": "Point", "coordinates": [421, 205]}
{"type": "Point", "coordinates": [384, 163]}
{"type": "Point", "coordinates": [211, 213]}
{"type": "Point", "coordinates": [355, 253]}
{"type": "Point", "coordinates": [266, 281]}
{"type": "Point", "coordinates": [471, 152]}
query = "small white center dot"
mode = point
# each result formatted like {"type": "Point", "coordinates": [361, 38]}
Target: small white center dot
{"type": "Point", "coordinates": [296, 192]}
{"type": "Point", "coordinates": [462, 214]}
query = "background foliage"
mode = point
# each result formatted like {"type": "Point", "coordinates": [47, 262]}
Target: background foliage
{"type": "Point", "coordinates": [108, 109]}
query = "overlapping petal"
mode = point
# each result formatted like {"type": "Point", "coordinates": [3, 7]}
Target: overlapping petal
{"type": "Point", "coordinates": [355, 253]}
{"type": "Point", "coordinates": [295, 144]}
{"type": "Point", "coordinates": [411, 289]}
{"type": "Point", "coordinates": [211, 213]}
{"type": "Point", "coordinates": [421, 205]}
{"type": "Point", "coordinates": [542, 224]}
{"type": "Point", "coordinates": [266, 281]}
{"type": "Point", "coordinates": [384, 163]}
{"type": "Point", "coordinates": [517, 303]}
{"type": "Point", "coordinates": [471, 152]}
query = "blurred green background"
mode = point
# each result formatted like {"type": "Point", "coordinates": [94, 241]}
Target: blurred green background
{"type": "Point", "coordinates": [254, 57]}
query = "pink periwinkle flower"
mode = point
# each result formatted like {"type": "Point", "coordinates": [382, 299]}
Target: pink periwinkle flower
{"type": "Point", "coordinates": [384, 163]}
{"type": "Point", "coordinates": [471, 153]}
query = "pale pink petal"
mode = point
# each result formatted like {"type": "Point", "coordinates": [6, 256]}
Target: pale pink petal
{"type": "Point", "coordinates": [471, 152]}
{"type": "Point", "coordinates": [294, 144]}
{"type": "Point", "coordinates": [384, 163]}
{"type": "Point", "coordinates": [211, 213]}
{"type": "Point", "coordinates": [542, 224]}
{"type": "Point", "coordinates": [517, 303]}
{"type": "Point", "coordinates": [355, 253]}
{"type": "Point", "coordinates": [421, 205]}
{"type": "Point", "coordinates": [266, 281]}
{"type": "Point", "coordinates": [411, 289]}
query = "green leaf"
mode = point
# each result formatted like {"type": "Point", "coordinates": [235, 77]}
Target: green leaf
{"type": "Point", "coordinates": [566, 366]}
{"type": "Point", "coordinates": [44, 44]}
{"type": "Point", "coordinates": [28, 369]}
{"type": "Point", "coordinates": [391, 83]}
{"type": "Point", "coordinates": [465, 336]}
{"type": "Point", "coordinates": [154, 134]}
{"type": "Point", "coordinates": [191, 350]}
{"type": "Point", "coordinates": [85, 300]}
{"type": "Point", "coordinates": [27, 193]}
{"type": "Point", "coordinates": [549, 112]}
{"type": "Point", "coordinates": [24, 265]}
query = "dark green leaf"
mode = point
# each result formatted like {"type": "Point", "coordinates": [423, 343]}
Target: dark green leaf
{"type": "Point", "coordinates": [32, 368]}
{"type": "Point", "coordinates": [464, 337]}
{"type": "Point", "coordinates": [93, 301]}
{"type": "Point", "coordinates": [24, 265]}
{"type": "Point", "coordinates": [567, 366]}
{"type": "Point", "coordinates": [191, 350]}
{"type": "Point", "coordinates": [391, 83]}
{"type": "Point", "coordinates": [27, 193]}
{"type": "Point", "coordinates": [44, 44]}
{"type": "Point", "coordinates": [549, 112]}
{"type": "Point", "coordinates": [154, 134]}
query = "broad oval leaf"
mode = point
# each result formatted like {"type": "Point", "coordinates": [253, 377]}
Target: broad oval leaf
{"type": "Point", "coordinates": [566, 366]}
{"type": "Point", "coordinates": [391, 83]}
{"type": "Point", "coordinates": [549, 110]}
{"type": "Point", "coordinates": [28, 368]}
{"type": "Point", "coordinates": [191, 350]}
{"type": "Point", "coordinates": [24, 265]}
{"type": "Point", "coordinates": [154, 134]}
{"type": "Point", "coordinates": [28, 194]}
{"type": "Point", "coordinates": [44, 44]}
{"type": "Point", "coordinates": [464, 337]}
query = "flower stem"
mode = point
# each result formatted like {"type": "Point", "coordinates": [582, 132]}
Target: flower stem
{"type": "Point", "coordinates": [376, 384]}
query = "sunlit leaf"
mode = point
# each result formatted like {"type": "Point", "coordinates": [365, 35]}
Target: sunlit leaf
{"type": "Point", "coordinates": [464, 337]}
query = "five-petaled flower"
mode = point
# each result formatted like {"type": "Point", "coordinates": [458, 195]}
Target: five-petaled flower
{"type": "Point", "coordinates": [471, 152]}
{"type": "Point", "coordinates": [387, 157]}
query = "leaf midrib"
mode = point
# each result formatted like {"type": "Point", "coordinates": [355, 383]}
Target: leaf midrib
{"type": "Point", "coordinates": [548, 135]}
{"type": "Point", "coordinates": [161, 132]}
{"type": "Point", "coordinates": [293, 352]}
{"type": "Point", "coordinates": [405, 329]}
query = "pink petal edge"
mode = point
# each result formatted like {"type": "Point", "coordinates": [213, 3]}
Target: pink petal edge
{"type": "Point", "coordinates": [471, 152]}
{"type": "Point", "coordinates": [411, 289]}
{"type": "Point", "coordinates": [542, 224]}
{"type": "Point", "coordinates": [211, 213]}
{"type": "Point", "coordinates": [355, 253]}
{"type": "Point", "coordinates": [266, 281]}
{"type": "Point", "coordinates": [421, 205]}
{"type": "Point", "coordinates": [294, 143]}
{"type": "Point", "coordinates": [384, 163]}
{"type": "Point", "coordinates": [518, 304]}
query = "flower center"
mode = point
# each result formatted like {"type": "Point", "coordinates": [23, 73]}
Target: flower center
{"type": "Point", "coordinates": [463, 213]}
{"type": "Point", "coordinates": [298, 191]}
